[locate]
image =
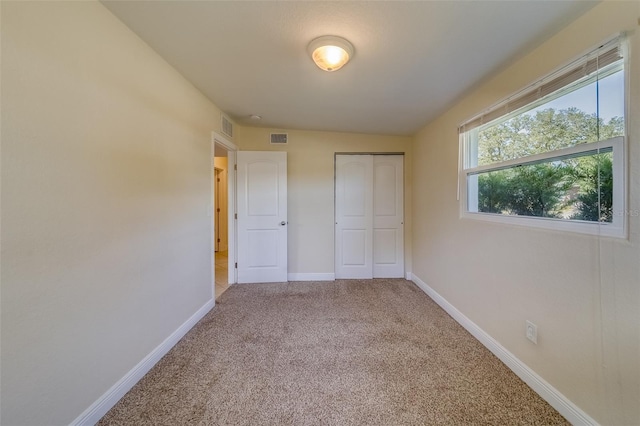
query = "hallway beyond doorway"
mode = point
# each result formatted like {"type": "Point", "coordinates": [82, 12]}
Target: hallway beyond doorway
{"type": "Point", "coordinates": [222, 277]}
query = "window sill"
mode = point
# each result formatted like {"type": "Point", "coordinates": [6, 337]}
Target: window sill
{"type": "Point", "coordinates": [575, 226]}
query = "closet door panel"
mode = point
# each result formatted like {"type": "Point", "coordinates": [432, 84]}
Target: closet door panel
{"type": "Point", "coordinates": [354, 216]}
{"type": "Point", "coordinates": [388, 216]}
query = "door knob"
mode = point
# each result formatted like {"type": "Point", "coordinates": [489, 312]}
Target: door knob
{"type": "Point", "coordinates": [283, 223]}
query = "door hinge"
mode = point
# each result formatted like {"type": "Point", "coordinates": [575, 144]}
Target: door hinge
{"type": "Point", "coordinates": [236, 215]}
{"type": "Point", "coordinates": [218, 210]}
{"type": "Point", "coordinates": [236, 265]}
{"type": "Point", "coordinates": [235, 167]}
{"type": "Point", "coordinates": [218, 239]}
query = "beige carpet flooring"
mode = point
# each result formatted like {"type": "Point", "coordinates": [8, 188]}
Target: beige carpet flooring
{"type": "Point", "coordinates": [370, 352]}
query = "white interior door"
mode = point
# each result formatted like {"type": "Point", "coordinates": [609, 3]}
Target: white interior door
{"type": "Point", "coordinates": [354, 219]}
{"type": "Point", "coordinates": [232, 225]}
{"type": "Point", "coordinates": [388, 216]}
{"type": "Point", "coordinates": [262, 216]}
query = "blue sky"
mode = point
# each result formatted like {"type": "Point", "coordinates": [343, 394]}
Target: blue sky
{"type": "Point", "coordinates": [611, 97]}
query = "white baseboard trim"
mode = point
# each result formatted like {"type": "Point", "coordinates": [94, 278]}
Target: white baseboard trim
{"type": "Point", "coordinates": [311, 276]}
{"type": "Point", "coordinates": [408, 276]}
{"type": "Point", "coordinates": [100, 407]}
{"type": "Point", "coordinates": [550, 394]}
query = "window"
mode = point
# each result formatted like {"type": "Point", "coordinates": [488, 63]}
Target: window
{"type": "Point", "coordinates": [552, 156]}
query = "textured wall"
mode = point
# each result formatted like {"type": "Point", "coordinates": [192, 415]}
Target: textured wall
{"type": "Point", "coordinates": [582, 292]}
{"type": "Point", "coordinates": [106, 237]}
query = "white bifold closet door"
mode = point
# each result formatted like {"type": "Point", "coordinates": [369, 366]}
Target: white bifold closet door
{"type": "Point", "coordinates": [388, 216]}
{"type": "Point", "coordinates": [354, 216]}
{"type": "Point", "coordinates": [369, 230]}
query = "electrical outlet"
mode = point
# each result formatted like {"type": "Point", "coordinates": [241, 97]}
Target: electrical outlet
{"type": "Point", "coordinates": [532, 332]}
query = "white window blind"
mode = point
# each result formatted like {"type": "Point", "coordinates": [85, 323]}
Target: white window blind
{"type": "Point", "coordinates": [585, 66]}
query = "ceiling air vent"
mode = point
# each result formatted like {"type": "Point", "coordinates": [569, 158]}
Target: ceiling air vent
{"type": "Point", "coordinates": [279, 138]}
{"type": "Point", "coordinates": [227, 126]}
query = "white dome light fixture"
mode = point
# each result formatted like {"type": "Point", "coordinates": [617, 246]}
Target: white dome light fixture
{"type": "Point", "coordinates": [330, 53]}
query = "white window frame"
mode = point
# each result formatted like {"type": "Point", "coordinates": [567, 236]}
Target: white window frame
{"type": "Point", "coordinates": [616, 229]}
{"type": "Point", "coordinates": [467, 165]}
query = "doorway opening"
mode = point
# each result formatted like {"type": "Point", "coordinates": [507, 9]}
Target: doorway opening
{"type": "Point", "coordinates": [223, 218]}
{"type": "Point", "coordinates": [221, 245]}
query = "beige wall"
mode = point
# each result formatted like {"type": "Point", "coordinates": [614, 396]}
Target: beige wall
{"type": "Point", "coordinates": [310, 157]}
{"type": "Point", "coordinates": [583, 292]}
{"type": "Point", "coordinates": [106, 237]}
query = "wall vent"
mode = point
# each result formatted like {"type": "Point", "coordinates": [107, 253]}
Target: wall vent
{"type": "Point", "coordinates": [279, 138]}
{"type": "Point", "coordinates": [226, 126]}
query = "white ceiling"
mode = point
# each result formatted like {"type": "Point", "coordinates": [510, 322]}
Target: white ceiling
{"type": "Point", "coordinates": [412, 59]}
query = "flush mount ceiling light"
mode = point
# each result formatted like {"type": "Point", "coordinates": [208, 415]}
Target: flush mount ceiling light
{"type": "Point", "coordinates": [330, 53]}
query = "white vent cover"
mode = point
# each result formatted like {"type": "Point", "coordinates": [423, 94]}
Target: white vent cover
{"type": "Point", "coordinates": [227, 126]}
{"type": "Point", "coordinates": [279, 138]}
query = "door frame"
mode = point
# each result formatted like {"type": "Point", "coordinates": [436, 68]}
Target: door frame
{"type": "Point", "coordinates": [222, 142]}
{"type": "Point", "coordinates": [216, 208]}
